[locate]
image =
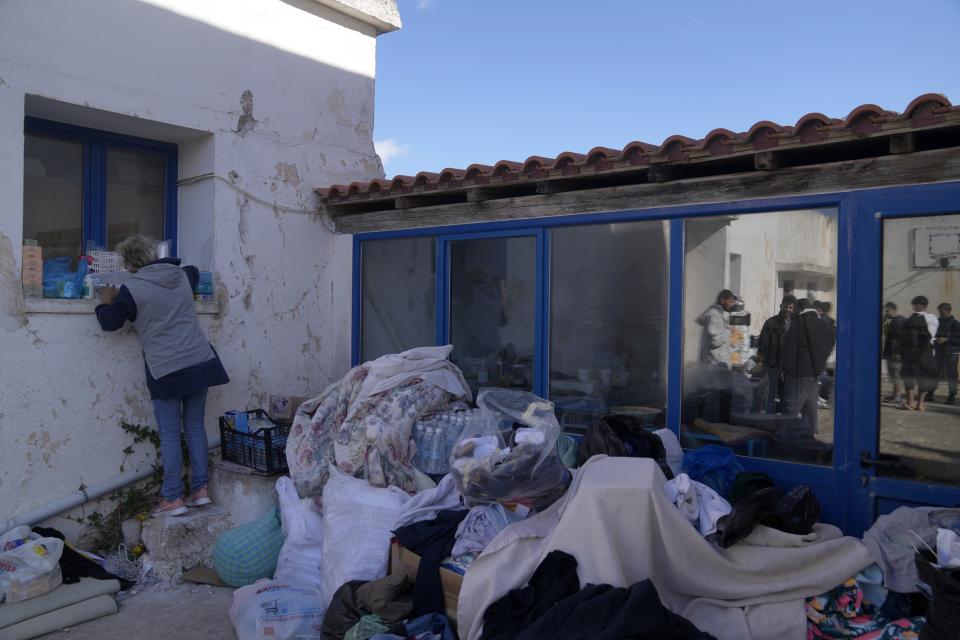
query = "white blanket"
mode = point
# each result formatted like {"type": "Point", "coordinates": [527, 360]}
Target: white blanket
{"type": "Point", "coordinates": [620, 526]}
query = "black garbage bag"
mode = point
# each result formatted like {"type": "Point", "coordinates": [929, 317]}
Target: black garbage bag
{"type": "Point", "coordinates": [943, 615]}
{"type": "Point", "coordinates": [793, 512]}
{"type": "Point", "coordinates": [623, 436]}
{"type": "Point", "coordinates": [746, 483]}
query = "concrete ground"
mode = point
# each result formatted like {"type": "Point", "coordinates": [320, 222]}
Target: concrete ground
{"type": "Point", "coordinates": [165, 611]}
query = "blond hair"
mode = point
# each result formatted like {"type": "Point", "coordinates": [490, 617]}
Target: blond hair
{"type": "Point", "coordinates": [137, 252]}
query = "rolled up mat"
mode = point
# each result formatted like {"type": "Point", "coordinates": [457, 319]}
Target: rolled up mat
{"type": "Point", "coordinates": [63, 596]}
{"type": "Point", "coordinates": [56, 620]}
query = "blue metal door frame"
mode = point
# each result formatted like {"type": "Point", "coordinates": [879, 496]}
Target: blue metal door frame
{"type": "Point", "coordinates": [846, 500]}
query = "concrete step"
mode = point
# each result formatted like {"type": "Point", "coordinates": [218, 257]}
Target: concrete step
{"type": "Point", "coordinates": [175, 544]}
{"type": "Point", "coordinates": [244, 493]}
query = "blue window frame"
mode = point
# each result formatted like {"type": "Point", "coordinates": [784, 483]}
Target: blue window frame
{"type": "Point", "coordinates": [96, 145]}
{"type": "Point", "coordinates": [851, 495]}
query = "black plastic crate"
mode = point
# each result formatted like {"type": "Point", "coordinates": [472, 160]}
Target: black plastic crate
{"type": "Point", "coordinates": [264, 451]}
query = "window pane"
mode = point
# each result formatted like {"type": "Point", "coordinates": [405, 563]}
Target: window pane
{"type": "Point", "coordinates": [134, 195]}
{"type": "Point", "coordinates": [53, 195]}
{"type": "Point", "coordinates": [758, 374]}
{"type": "Point", "coordinates": [921, 343]}
{"type": "Point", "coordinates": [493, 291]}
{"type": "Point", "coordinates": [608, 321]}
{"type": "Point", "coordinates": [398, 308]}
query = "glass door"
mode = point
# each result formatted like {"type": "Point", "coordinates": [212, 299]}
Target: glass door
{"type": "Point", "coordinates": [493, 292]}
{"type": "Point", "coordinates": [916, 458]}
{"type": "Point", "coordinates": [905, 446]}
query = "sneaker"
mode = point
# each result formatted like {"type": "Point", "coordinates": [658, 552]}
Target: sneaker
{"type": "Point", "coordinates": [168, 508]}
{"type": "Point", "coordinates": [198, 498]}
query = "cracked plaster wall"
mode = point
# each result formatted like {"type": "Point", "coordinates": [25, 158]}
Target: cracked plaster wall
{"type": "Point", "coordinates": [275, 98]}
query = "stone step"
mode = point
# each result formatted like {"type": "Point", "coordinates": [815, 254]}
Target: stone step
{"type": "Point", "coordinates": [175, 544]}
{"type": "Point", "coordinates": [245, 494]}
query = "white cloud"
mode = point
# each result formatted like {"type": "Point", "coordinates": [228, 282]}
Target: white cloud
{"type": "Point", "coordinates": [426, 4]}
{"type": "Point", "coordinates": [389, 149]}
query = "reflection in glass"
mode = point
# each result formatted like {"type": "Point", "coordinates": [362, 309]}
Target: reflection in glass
{"type": "Point", "coordinates": [134, 195]}
{"type": "Point", "coordinates": [920, 349]}
{"type": "Point", "coordinates": [53, 195]}
{"type": "Point", "coordinates": [399, 292]}
{"type": "Point", "coordinates": [608, 314]}
{"type": "Point", "coordinates": [759, 332]}
{"type": "Point", "coordinates": [493, 310]}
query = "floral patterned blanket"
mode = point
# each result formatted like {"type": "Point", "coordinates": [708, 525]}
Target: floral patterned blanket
{"type": "Point", "coordinates": [367, 436]}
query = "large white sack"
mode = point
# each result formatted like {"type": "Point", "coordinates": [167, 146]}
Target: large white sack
{"type": "Point", "coordinates": [301, 557]}
{"type": "Point", "coordinates": [357, 523]}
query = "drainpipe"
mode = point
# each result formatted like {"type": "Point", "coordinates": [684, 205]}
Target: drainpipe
{"type": "Point", "coordinates": [78, 498]}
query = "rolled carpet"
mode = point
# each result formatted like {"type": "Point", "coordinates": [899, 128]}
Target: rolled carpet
{"type": "Point", "coordinates": [63, 596]}
{"type": "Point", "coordinates": [69, 616]}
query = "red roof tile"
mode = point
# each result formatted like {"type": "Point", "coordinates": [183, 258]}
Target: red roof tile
{"type": "Point", "coordinates": [926, 110]}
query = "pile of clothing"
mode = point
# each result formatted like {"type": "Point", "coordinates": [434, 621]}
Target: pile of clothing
{"type": "Point", "coordinates": [363, 423]}
{"type": "Point", "coordinates": [756, 588]}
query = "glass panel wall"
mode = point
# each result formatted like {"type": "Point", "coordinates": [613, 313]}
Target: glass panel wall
{"type": "Point", "coordinates": [920, 349]}
{"type": "Point", "coordinates": [608, 321]}
{"type": "Point", "coordinates": [53, 195]}
{"type": "Point", "coordinates": [759, 333]}
{"type": "Point", "coordinates": [135, 182]}
{"type": "Point", "coordinates": [492, 315]}
{"type": "Point", "coordinates": [398, 303]}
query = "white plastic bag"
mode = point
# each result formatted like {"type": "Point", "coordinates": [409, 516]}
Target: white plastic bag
{"type": "Point", "coordinates": [357, 523]}
{"type": "Point", "coordinates": [302, 553]}
{"type": "Point", "coordinates": [29, 565]}
{"type": "Point", "coordinates": [275, 610]}
{"type": "Point", "coordinates": [948, 549]}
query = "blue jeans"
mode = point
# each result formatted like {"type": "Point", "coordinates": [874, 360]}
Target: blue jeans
{"type": "Point", "coordinates": [170, 412]}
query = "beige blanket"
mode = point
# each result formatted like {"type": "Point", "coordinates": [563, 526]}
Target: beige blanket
{"type": "Point", "coordinates": [620, 526]}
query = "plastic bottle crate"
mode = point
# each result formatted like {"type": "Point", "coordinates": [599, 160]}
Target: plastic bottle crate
{"type": "Point", "coordinates": [264, 451]}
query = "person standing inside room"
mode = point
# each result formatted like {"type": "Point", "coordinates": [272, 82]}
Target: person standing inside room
{"type": "Point", "coordinates": [716, 338]}
{"type": "Point", "coordinates": [179, 362]}
{"type": "Point", "coordinates": [893, 324]}
{"type": "Point", "coordinates": [919, 367]}
{"type": "Point", "coordinates": [724, 386]}
{"type": "Point", "coordinates": [808, 344]}
{"type": "Point", "coordinates": [947, 350]}
{"type": "Point", "coordinates": [773, 336]}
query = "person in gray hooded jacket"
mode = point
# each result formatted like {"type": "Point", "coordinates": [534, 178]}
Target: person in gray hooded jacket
{"type": "Point", "coordinates": [179, 362]}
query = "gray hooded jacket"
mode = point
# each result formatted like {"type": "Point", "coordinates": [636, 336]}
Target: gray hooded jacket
{"type": "Point", "coordinates": [166, 321]}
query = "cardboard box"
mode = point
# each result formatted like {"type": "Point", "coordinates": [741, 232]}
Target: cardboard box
{"type": "Point", "coordinates": [32, 267]}
{"type": "Point", "coordinates": [284, 407]}
{"type": "Point", "coordinates": [402, 560]}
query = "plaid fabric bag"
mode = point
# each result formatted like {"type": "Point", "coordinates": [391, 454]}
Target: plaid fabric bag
{"type": "Point", "coordinates": [249, 552]}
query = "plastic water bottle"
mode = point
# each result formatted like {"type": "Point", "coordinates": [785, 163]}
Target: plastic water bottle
{"type": "Point", "coordinates": [438, 462]}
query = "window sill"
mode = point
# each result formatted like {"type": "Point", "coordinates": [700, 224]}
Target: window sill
{"type": "Point", "coordinates": [52, 305]}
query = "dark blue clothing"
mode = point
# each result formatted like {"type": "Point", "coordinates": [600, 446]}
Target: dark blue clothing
{"type": "Point", "coordinates": [184, 382]}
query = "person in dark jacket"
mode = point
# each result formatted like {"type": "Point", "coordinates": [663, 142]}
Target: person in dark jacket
{"type": "Point", "coordinates": [947, 349]}
{"type": "Point", "coordinates": [808, 344]}
{"type": "Point", "coordinates": [919, 365]}
{"type": "Point", "coordinates": [179, 362]}
{"type": "Point", "coordinates": [893, 324]}
{"type": "Point", "coordinates": [770, 347]}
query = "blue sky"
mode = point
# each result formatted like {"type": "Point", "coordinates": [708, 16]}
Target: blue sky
{"type": "Point", "coordinates": [470, 81]}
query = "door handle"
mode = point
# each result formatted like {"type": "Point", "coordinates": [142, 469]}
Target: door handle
{"type": "Point", "coordinates": [889, 462]}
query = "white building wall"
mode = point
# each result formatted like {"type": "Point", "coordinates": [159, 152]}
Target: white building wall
{"type": "Point", "coordinates": [274, 97]}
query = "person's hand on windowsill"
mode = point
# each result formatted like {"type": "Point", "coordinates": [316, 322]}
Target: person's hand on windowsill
{"type": "Point", "coordinates": [107, 294]}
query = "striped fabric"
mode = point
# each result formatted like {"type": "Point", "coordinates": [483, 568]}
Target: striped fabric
{"type": "Point", "coordinates": [249, 552]}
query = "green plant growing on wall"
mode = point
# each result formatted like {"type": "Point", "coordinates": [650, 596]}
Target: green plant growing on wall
{"type": "Point", "coordinates": [134, 500]}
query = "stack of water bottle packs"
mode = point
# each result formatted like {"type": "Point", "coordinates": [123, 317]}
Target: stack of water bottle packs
{"type": "Point", "coordinates": [503, 451]}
